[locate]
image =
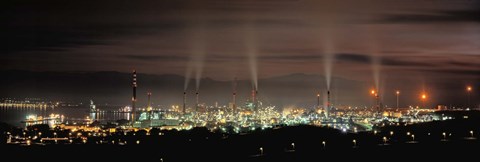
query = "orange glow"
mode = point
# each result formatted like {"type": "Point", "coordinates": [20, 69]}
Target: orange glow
{"type": "Point", "coordinates": [398, 92]}
{"type": "Point", "coordinates": [424, 96]}
{"type": "Point", "coordinates": [373, 92]}
{"type": "Point", "coordinates": [318, 95]}
{"type": "Point", "coordinates": [469, 88]}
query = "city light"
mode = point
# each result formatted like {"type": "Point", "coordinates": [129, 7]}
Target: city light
{"type": "Point", "coordinates": [424, 98]}
{"type": "Point", "coordinates": [469, 90]}
{"type": "Point", "coordinates": [397, 94]}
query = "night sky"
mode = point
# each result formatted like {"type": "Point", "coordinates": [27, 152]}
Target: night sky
{"type": "Point", "coordinates": [435, 43]}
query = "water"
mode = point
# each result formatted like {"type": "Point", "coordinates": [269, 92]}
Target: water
{"type": "Point", "coordinates": [15, 115]}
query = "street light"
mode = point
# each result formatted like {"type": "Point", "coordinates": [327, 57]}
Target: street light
{"type": "Point", "coordinates": [324, 144]}
{"type": "Point", "coordinates": [293, 146]}
{"type": "Point", "coordinates": [471, 133]}
{"type": "Point", "coordinates": [261, 150]}
{"type": "Point", "coordinates": [354, 143]}
{"type": "Point", "coordinates": [376, 95]}
{"type": "Point", "coordinates": [397, 93]}
{"type": "Point", "coordinates": [469, 90]}
{"type": "Point", "coordinates": [384, 140]}
{"type": "Point", "coordinates": [391, 133]}
{"type": "Point", "coordinates": [444, 135]}
{"type": "Point", "coordinates": [413, 137]}
{"type": "Point", "coordinates": [423, 97]}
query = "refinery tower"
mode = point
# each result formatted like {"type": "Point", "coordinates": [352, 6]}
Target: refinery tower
{"type": "Point", "coordinates": [134, 96]}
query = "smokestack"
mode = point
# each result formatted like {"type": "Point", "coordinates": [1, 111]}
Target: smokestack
{"type": "Point", "coordinates": [149, 107]}
{"type": "Point", "coordinates": [254, 99]}
{"type": "Point", "coordinates": [234, 95]}
{"type": "Point", "coordinates": [196, 107]}
{"type": "Point", "coordinates": [134, 97]}
{"type": "Point", "coordinates": [184, 102]}
{"type": "Point", "coordinates": [327, 109]}
{"type": "Point", "coordinates": [253, 95]}
{"type": "Point", "coordinates": [318, 100]}
{"type": "Point", "coordinates": [377, 102]}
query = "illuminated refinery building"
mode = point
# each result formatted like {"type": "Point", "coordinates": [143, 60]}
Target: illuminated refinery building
{"type": "Point", "coordinates": [154, 119]}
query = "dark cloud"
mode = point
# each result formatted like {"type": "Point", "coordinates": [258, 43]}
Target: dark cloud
{"type": "Point", "coordinates": [385, 60]}
{"type": "Point", "coordinates": [48, 25]}
{"type": "Point", "coordinates": [464, 64]}
{"type": "Point", "coordinates": [154, 57]}
{"type": "Point", "coordinates": [358, 58]}
{"type": "Point", "coordinates": [472, 15]}
{"type": "Point", "coordinates": [293, 57]}
{"type": "Point", "coordinates": [398, 62]}
{"type": "Point", "coordinates": [456, 72]}
{"type": "Point", "coordinates": [222, 58]}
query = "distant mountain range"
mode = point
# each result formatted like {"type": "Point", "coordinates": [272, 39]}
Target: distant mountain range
{"type": "Point", "coordinates": [115, 88]}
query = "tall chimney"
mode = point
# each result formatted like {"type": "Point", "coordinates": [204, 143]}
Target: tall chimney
{"type": "Point", "coordinates": [234, 95]}
{"type": "Point", "coordinates": [149, 106]}
{"type": "Point", "coordinates": [197, 102]}
{"type": "Point", "coordinates": [254, 99]}
{"type": "Point", "coordinates": [134, 96]}
{"type": "Point", "coordinates": [327, 109]}
{"type": "Point", "coordinates": [318, 100]}
{"type": "Point", "coordinates": [377, 102]}
{"type": "Point", "coordinates": [184, 102]}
